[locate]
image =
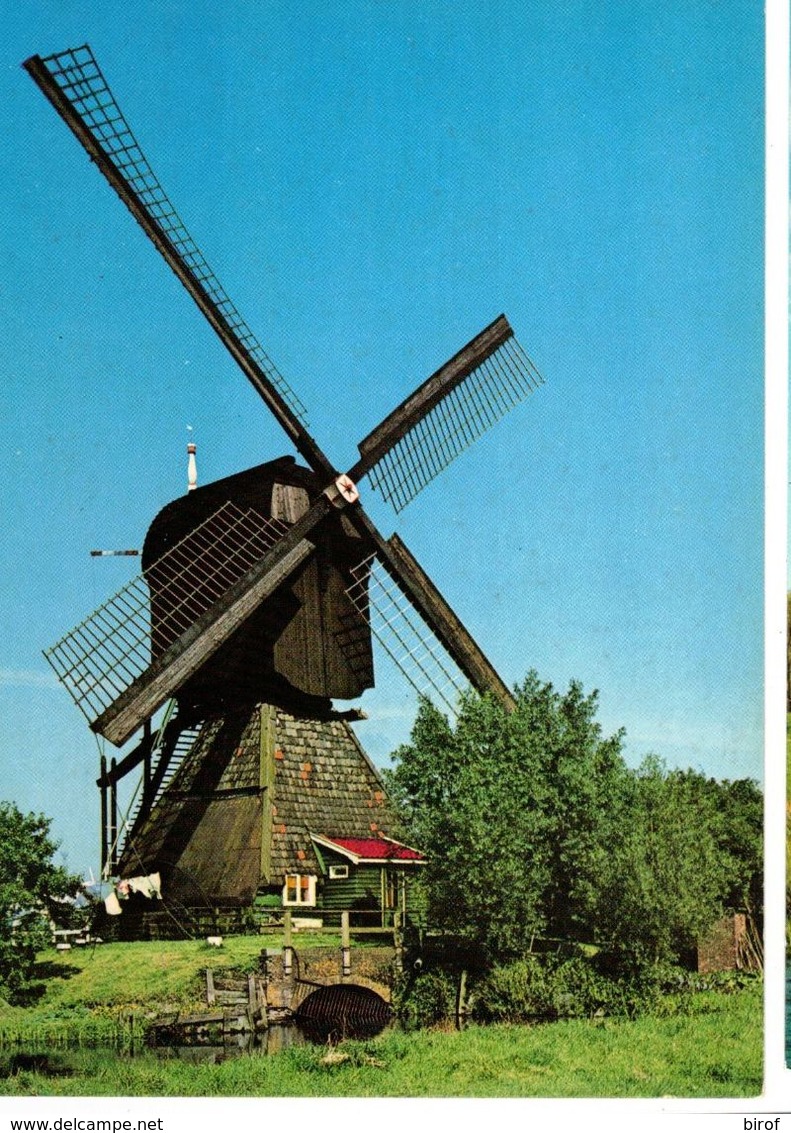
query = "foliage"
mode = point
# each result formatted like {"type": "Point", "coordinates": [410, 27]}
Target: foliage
{"type": "Point", "coordinates": [425, 1000]}
{"type": "Point", "coordinates": [33, 892]}
{"type": "Point", "coordinates": [514, 811]}
{"type": "Point", "coordinates": [661, 887]}
{"type": "Point", "coordinates": [542, 987]}
{"type": "Point", "coordinates": [690, 847]}
{"type": "Point", "coordinates": [535, 827]}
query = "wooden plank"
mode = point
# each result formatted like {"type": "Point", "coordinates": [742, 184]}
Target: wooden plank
{"type": "Point", "coordinates": [430, 393]}
{"type": "Point", "coordinates": [211, 995]}
{"type": "Point", "coordinates": [202, 1020]}
{"type": "Point", "coordinates": [184, 657]}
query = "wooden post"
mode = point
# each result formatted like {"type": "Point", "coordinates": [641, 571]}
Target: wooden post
{"type": "Point", "coordinates": [398, 942]}
{"type": "Point", "coordinates": [113, 851]}
{"type": "Point", "coordinates": [252, 1000]}
{"type": "Point", "coordinates": [287, 949]}
{"type": "Point", "coordinates": [346, 949]}
{"type": "Point", "coordinates": [103, 809]}
{"type": "Point", "coordinates": [210, 993]}
{"type": "Point", "coordinates": [461, 1001]}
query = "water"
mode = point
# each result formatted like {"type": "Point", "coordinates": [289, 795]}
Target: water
{"type": "Point", "coordinates": [72, 1061]}
{"type": "Point", "coordinates": [273, 1040]}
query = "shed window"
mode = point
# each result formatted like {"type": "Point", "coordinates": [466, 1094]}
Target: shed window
{"type": "Point", "coordinates": [300, 889]}
{"type": "Point", "coordinates": [338, 871]}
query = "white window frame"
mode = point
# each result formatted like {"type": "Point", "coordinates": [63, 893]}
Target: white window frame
{"type": "Point", "coordinates": [311, 900]}
{"type": "Point", "coordinates": [338, 871]}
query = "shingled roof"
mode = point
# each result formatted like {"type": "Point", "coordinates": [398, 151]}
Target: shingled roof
{"type": "Point", "coordinates": [324, 781]}
{"type": "Point", "coordinates": [239, 811]}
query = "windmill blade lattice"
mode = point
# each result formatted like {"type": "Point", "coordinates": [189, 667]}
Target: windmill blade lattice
{"type": "Point", "coordinates": [81, 82]}
{"type": "Point", "coordinates": [463, 406]}
{"type": "Point", "coordinates": [405, 637]}
{"type": "Point", "coordinates": [104, 654]}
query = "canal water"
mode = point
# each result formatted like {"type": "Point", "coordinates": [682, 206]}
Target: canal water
{"type": "Point", "coordinates": [206, 1046]}
{"type": "Point", "coordinates": [68, 1060]}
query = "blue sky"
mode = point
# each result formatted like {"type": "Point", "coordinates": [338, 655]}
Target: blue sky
{"type": "Point", "coordinates": [373, 183]}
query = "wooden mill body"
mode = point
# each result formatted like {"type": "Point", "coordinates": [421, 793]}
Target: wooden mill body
{"type": "Point", "coordinates": [306, 644]}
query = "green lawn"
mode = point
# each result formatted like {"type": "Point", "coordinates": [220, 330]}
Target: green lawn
{"type": "Point", "coordinates": [88, 993]}
{"type": "Point", "coordinates": [716, 1051]}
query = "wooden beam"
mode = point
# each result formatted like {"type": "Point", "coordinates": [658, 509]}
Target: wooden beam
{"type": "Point", "coordinates": [430, 393]}
{"type": "Point", "coordinates": [102, 781]}
{"type": "Point", "coordinates": [166, 750]}
{"type": "Point", "coordinates": [186, 655]}
{"type": "Point", "coordinates": [113, 848]}
{"type": "Point", "coordinates": [127, 764]}
{"type": "Point", "coordinates": [182, 659]}
{"type": "Point", "coordinates": [450, 631]}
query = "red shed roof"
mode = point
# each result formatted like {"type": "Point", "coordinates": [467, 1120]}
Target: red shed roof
{"type": "Point", "coordinates": [371, 849]}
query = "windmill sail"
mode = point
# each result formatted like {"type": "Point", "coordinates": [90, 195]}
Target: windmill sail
{"type": "Point", "coordinates": [446, 414]}
{"type": "Point", "coordinates": [135, 652]}
{"type": "Point", "coordinates": [115, 648]}
{"type": "Point", "coordinates": [76, 87]}
{"type": "Point", "coordinates": [405, 610]}
{"type": "Point", "coordinates": [404, 635]}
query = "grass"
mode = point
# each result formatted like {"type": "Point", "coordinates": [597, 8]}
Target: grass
{"type": "Point", "coordinates": [88, 994]}
{"type": "Point", "coordinates": [715, 1053]}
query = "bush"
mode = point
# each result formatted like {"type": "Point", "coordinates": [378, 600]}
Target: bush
{"type": "Point", "coordinates": [33, 890]}
{"type": "Point", "coordinates": [537, 988]}
{"type": "Point", "coordinates": [513, 992]}
{"type": "Point", "coordinates": [541, 987]}
{"type": "Point", "coordinates": [579, 991]}
{"type": "Point", "coordinates": [428, 999]}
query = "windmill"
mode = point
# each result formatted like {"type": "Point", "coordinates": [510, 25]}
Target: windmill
{"type": "Point", "coordinates": [258, 598]}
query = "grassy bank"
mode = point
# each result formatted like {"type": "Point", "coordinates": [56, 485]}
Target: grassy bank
{"type": "Point", "coordinates": [716, 1053]}
{"type": "Point", "coordinates": [714, 1050]}
{"type": "Point", "coordinates": [87, 995]}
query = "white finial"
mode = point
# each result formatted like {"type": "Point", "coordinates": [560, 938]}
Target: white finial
{"type": "Point", "coordinates": [192, 467]}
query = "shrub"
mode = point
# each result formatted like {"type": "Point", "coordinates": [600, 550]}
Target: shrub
{"type": "Point", "coordinates": [548, 987]}
{"type": "Point", "coordinates": [427, 999]}
{"type": "Point", "coordinates": [514, 992]}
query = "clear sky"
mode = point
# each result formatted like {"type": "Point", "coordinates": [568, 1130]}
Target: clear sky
{"type": "Point", "coordinates": [373, 183]}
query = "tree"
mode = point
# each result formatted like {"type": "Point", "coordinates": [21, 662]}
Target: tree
{"type": "Point", "coordinates": [692, 848]}
{"type": "Point", "coordinates": [533, 825]}
{"type": "Point", "coordinates": [31, 888]}
{"type": "Point", "coordinates": [515, 813]}
{"type": "Point", "coordinates": [661, 887]}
